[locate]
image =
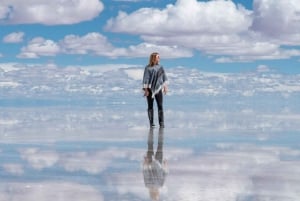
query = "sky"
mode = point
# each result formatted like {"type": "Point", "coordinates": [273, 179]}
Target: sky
{"type": "Point", "coordinates": [216, 35]}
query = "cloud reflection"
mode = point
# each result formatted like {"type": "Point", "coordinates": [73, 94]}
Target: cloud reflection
{"type": "Point", "coordinates": [240, 172]}
{"type": "Point", "coordinates": [48, 191]}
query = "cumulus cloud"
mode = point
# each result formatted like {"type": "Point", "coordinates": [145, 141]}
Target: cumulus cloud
{"type": "Point", "coordinates": [15, 37]}
{"type": "Point", "coordinates": [48, 12]}
{"type": "Point", "coordinates": [97, 44]}
{"type": "Point", "coordinates": [91, 42]}
{"type": "Point", "coordinates": [39, 47]}
{"type": "Point", "coordinates": [143, 49]}
{"type": "Point", "coordinates": [278, 19]}
{"type": "Point", "coordinates": [226, 31]}
{"type": "Point", "coordinates": [229, 32]}
{"type": "Point", "coordinates": [185, 17]}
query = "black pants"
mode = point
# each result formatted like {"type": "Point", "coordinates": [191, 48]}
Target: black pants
{"type": "Point", "coordinates": [159, 100]}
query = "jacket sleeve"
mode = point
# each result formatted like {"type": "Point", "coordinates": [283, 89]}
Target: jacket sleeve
{"type": "Point", "coordinates": [146, 78]}
{"type": "Point", "coordinates": [165, 78]}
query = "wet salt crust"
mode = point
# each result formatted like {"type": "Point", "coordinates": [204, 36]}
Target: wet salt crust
{"type": "Point", "coordinates": [233, 137]}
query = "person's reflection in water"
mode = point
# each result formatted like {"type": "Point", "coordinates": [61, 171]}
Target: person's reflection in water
{"type": "Point", "coordinates": [155, 168]}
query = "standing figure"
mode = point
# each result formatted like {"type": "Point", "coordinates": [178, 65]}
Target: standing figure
{"type": "Point", "coordinates": [154, 85]}
{"type": "Point", "coordinates": [155, 167]}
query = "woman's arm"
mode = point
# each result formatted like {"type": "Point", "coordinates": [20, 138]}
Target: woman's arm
{"type": "Point", "coordinates": [165, 80]}
{"type": "Point", "coordinates": [146, 79]}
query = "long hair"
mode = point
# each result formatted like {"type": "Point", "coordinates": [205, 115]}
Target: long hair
{"type": "Point", "coordinates": [152, 59]}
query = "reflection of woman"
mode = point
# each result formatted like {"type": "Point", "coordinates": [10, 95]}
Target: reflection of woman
{"type": "Point", "coordinates": [155, 168]}
{"type": "Point", "coordinates": [154, 85]}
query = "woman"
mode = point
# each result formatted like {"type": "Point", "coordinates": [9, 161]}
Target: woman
{"type": "Point", "coordinates": [154, 85]}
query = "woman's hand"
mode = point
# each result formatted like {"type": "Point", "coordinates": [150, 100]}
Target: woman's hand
{"type": "Point", "coordinates": [165, 89]}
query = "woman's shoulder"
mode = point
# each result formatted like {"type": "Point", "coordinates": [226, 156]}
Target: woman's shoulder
{"type": "Point", "coordinates": [160, 66]}
{"type": "Point", "coordinates": [155, 67]}
{"type": "Point", "coordinates": [147, 67]}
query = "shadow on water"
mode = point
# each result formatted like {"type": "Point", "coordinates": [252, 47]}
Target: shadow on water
{"type": "Point", "coordinates": [155, 167]}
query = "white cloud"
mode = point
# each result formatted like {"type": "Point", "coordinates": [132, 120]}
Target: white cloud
{"type": "Point", "coordinates": [220, 28]}
{"type": "Point", "coordinates": [48, 191]}
{"type": "Point", "coordinates": [6, 67]}
{"type": "Point", "coordinates": [8, 84]}
{"type": "Point", "coordinates": [14, 169]}
{"type": "Point", "coordinates": [92, 163]}
{"type": "Point", "coordinates": [91, 42]}
{"type": "Point", "coordinates": [212, 27]}
{"type": "Point", "coordinates": [235, 172]}
{"type": "Point", "coordinates": [49, 12]}
{"type": "Point", "coordinates": [237, 48]}
{"type": "Point", "coordinates": [186, 17]}
{"type": "Point", "coordinates": [87, 161]}
{"type": "Point", "coordinates": [278, 19]}
{"type": "Point", "coordinates": [4, 10]}
{"type": "Point", "coordinates": [263, 68]}
{"type": "Point", "coordinates": [135, 74]}
{"type": "Point", "coordinates": [97, 44]}
{"type": "Point", "coordinates": [39, 159]}
{"type": "Point", "coordinates": [121, 184]}
{"type": "Point", "coordinates": [143, 49]}
{"type": "Point", "coordinates": [15, 37]}
{"type": "Point", "coordinates": [39, 47]}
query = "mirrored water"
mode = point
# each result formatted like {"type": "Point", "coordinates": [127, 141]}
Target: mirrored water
{"type": "Point", "coordinates": [61, 155]}
{"type": "Point", "coordinates": [78, 135]}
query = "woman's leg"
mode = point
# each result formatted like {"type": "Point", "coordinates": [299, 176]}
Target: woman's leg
{"type": "Point", "coordinates": [159, 101]}
{"type": "Point", "coordinates": [150, 101]}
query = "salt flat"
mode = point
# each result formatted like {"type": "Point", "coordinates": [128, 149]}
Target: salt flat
{"type": "Point", "coordinates": [76, 136]}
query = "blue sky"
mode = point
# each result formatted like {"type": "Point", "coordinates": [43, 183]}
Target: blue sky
{"type": "Point", "coordinates": [219, 36]}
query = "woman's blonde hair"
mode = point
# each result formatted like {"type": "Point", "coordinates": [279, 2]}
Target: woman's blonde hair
{"type": "Point", "coordinates": [152, 59]}
{"type": "Point", "coordinates": [154, 194]}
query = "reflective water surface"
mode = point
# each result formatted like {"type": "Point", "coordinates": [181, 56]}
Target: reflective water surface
{"type": "Point", "coordinates": [136, 163]}
{"type": "Point", "coordinates": [71, 134]}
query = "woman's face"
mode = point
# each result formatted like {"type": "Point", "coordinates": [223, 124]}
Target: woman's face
{"type": "Point", "coordinates": [157, 59]}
